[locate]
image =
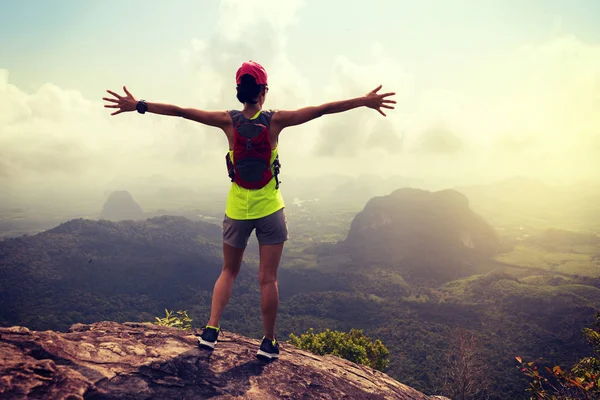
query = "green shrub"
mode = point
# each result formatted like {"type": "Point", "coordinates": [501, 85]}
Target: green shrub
{"type": "Point", "coordinates": [179, 319]}
{"type": "Point", "coordinates": [353, 346]}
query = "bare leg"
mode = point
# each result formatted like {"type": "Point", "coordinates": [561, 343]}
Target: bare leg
{"type": "Point", "coordinates": [222, 292]}
{"type": "Point", "coordinates": [270, 255]}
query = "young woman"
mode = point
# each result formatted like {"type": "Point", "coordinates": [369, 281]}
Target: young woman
{"type": "Point", "coordinates": [254, 201]}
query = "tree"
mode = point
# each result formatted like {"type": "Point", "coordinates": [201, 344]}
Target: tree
{"type": "Point", "coordinates": [581, 382]}
{"type": "Point", "coordinates": [465, 375]}
{"type": "Point", "coordinates": [353, 346]}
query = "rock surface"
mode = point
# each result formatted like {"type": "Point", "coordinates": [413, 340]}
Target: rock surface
{"type": "Point", "coordinates": [107, 360]}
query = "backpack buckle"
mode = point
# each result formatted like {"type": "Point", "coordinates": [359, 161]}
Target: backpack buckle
{"type": "Point", "coordinates": [276, 167]}
{"type": "Point", "coordinates": [230, 167]}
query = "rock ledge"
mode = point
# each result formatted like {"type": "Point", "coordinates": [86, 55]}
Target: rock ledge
{"type": "Point", "coordinates": [107, 360]}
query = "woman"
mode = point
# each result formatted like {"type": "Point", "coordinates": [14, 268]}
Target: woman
{"type": "Point", "coordinates": [254, 200]}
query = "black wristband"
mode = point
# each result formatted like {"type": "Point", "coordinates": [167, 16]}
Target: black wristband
{"type": "Point", "coordinates": [141, 106]}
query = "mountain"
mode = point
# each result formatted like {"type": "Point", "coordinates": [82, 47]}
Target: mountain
{"type": "Point", "coordinates": [120, 205]}
{"type": "Point", "coordinates": [89, 270]}
{"type": "Point", "coordinates": [85, 271]}
{"type": "Point", "coordinates": [132, 361]}
{"type": "Point", "coordinates": [427, 237]}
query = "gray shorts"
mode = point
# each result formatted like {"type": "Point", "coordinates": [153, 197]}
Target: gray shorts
{"type": "Point", "coordinates": [271, 229]}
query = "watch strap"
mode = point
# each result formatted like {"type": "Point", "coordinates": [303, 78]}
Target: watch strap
{"type": "Point", "coordinates": [141, 106]}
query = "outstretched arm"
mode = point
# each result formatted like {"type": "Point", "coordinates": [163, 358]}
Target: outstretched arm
{"type": "Point", "coordinates": [283, 119]}
{"type": "Point", "coordinates": [128, 103]}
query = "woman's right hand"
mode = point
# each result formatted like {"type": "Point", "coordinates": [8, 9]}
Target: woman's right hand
{"type": "Point", "coordinates": [125, 103]}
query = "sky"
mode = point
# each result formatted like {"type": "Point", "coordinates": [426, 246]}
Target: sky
{"type": "Point", "coordinates": [485, 89]}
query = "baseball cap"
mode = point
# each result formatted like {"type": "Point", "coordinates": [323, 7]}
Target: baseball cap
{"type": "Point", "coordinates": [253, 69]}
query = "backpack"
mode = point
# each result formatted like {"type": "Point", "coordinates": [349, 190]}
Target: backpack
{"type": "Point", "coordinates": [251, 167]}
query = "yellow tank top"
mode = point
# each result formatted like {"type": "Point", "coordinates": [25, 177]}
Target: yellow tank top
{"type": "Point", "coordinates": [246, 204]}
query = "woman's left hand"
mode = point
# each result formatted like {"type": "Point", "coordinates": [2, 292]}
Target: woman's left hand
{"type": "Point", "coordinates": [378, 101]}
{"type": "Point", "coordinates": [125, 103]}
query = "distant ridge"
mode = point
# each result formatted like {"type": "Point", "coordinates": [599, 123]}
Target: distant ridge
{"type": "Point", "coordinates": [120, 205]}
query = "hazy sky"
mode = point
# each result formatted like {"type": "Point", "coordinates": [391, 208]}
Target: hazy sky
{"type": "Point", "coordinates": [485, 89]}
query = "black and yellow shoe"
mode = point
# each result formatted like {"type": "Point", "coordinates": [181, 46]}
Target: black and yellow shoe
{"type": "Point", "coordinates": [269, 349]}
{"type": "Point", "coordinates": [208, 339]}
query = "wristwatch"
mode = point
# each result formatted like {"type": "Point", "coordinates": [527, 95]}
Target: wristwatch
{"type": "Point", "coordinates": [141, 106]}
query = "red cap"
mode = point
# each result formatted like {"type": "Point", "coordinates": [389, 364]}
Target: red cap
{"type": "Point", "coordinates": [253, 69]}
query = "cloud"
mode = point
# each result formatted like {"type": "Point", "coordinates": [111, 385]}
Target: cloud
{"type": "Point", "coordinates": [54, 135]}
{"type": "Point", "coordinates": [237, 18]}
{"type": "Point", "coordinates": [5, 168]}
{"type": "Point", "coordinates": [247, 30]}
{"type": "Point", "coordinates": [550, 90]}
{"type": "Point", "coordinates": [342, 136]}
{"type": "Point", "coordinates": [511, 142]}
{"type": "Point", "coordinates": [438, 139]}
{"type": "Point", "coordinates": [54, 130]}
{"type": "Point", "coordinates": [37, 130]}
{"type": "Point", "coordinates": [13, 105]}
{"type": "Point", "coordinates": [542, 99]}
{"type": "Point", "coordinates": [53, 156]}
{"type": "Point", "coordinates": [359, 132]}
{"type": "Point", "coordinates": [384, 137]}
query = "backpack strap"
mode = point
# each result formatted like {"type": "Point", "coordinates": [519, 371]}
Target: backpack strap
{"type": "Point", "coordinates": [265, 118]}
{"type": "Point", "coordinates": [236, 116]}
